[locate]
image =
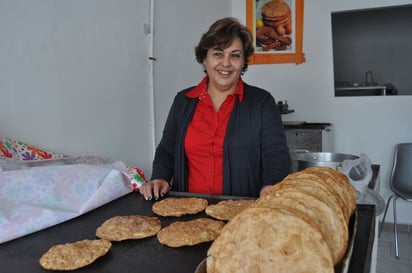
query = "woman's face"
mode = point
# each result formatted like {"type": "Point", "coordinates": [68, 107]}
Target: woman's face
{"type": "Point", "coordinates": [223, 66]}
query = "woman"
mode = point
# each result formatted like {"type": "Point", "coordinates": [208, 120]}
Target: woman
{"type": "Point", "coordinates": [222, 136]}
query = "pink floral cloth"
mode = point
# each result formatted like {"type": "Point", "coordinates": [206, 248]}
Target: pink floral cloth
{"type": "Point", "coordinates": [19, 150]}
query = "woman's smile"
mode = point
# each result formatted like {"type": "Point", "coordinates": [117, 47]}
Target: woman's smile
{"type": "Point", "coordinates": [223, 72]}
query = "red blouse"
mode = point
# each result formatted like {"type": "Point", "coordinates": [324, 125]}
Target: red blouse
{"type": "Point", "coordinates": [204, 140]}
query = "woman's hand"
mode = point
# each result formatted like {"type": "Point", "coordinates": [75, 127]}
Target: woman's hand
{"type": "Point", "coordinates": [154, 188]}
{"type": "Point", "coordinates": [265, 190]}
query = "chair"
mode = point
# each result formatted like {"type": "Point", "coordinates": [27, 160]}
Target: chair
{"type": "Point", "coordinates": [400, 183]}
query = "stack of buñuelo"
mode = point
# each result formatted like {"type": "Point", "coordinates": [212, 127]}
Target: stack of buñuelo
{"type": "Point", "coordinates": [300, 226]}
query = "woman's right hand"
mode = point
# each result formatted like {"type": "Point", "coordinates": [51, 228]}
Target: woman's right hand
{"type": "Point", "coordinates": [154, 189]}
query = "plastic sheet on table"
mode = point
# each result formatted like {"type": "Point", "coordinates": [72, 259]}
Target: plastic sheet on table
{"type": "Point", "coordinates": [34, 198]}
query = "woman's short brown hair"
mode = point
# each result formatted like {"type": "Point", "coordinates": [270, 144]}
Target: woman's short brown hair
{"type": "Point", "coordinates": [221, 34]}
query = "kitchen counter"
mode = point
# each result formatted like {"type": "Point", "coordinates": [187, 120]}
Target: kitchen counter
{"type": "Point", "coordinates": [147, 255]}
{"type": "Point", "coordinates": [305, 125]}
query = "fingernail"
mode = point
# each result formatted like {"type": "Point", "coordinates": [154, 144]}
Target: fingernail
{"type": "Point", "coordinates": [146, 198]}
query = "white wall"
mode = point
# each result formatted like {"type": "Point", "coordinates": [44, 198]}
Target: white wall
{"type": "Point", "coordinates": [73, 77]}
{"type": "Point", "coordinates": [372, 125]}
{"type": "Point", "coordinates": [179, 25]}
{"type": "Point", "coordinates": [75, 74]}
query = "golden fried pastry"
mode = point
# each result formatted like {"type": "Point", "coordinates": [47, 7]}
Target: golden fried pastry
{"type": "Point", "coordinates": [188, 233]}
{"type": "Point", "coordinates": [177, 207]}
{"type": "Point", "coordinates": [332, 225]}
{"type": "Point", "coordinates": [268, 240]}
{"type": "Point", "coordinates": [227, 209]}
{"type": "Point", "coordinates": [299, 226]}
{"type": "Point", "coordinates": [71, 256]}
{"type": "Point", "coordinates": [119, 228]}
{"type": "Point", "coordinates": [341, 181]}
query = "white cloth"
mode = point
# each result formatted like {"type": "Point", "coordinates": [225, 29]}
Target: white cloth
{"type": "Point", "coordinates": [35, 198]}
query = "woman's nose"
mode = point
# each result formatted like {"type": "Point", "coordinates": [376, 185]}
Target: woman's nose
{"type": "Point", "coordinates": [226, 59]}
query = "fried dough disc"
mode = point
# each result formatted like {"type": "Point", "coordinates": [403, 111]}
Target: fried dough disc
{"type": "Point", "coordinates": [119, 228]}
{"type": "Point", "coordinates": [227, 209]}
{"type": "Point", "coordinates": [341, 181]}
{"type": "Point", "coordinates": [333, 186]}
{"type": "Point", "coordinates": [71, 256]}
{"type": "Point", "coordinates": [330, 184]}
{"type": "Point", "coordinates": [188, 233]}
{"type": "Point", "coordinates": [177, 207]}
{"type": "Point", "coordinates": [269, 241]}
{"type": "Point", "coordinates": [315, 187]}
{"type": "Point", "coordinates": [332, 226]}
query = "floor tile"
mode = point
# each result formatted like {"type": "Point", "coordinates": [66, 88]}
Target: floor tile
{"type": "Point", "coordinates": [386, 261]}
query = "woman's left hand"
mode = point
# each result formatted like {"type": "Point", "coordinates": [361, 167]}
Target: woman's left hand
{"type": "Point", "coordinates": [265, 190]}
{"type": "Point", "coordinates": [154, 189]}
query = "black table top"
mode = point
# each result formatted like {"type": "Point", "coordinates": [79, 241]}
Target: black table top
{"type": "Point", "coordinates": [146, 255]}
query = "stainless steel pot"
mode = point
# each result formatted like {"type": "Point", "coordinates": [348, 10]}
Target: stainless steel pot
{"type": "Point", "coordinates": [302, 160]}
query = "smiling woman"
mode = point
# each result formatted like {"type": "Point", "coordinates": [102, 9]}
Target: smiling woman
{"type": "Point", "coordinates": [371, 51]}
{"type": "Point", "coordinates": [222, 136]}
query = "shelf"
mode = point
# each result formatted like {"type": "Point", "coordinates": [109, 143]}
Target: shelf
{"type": "Point", "coordinates": [287, 112]}
{"type": "Point", "coordinates": [382, 89]}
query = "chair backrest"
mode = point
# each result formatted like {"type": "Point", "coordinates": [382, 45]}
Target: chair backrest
{"type": "Point", "coordinates": [401, 177]}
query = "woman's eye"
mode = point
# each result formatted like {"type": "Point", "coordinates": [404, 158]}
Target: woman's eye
{"type": "Point", "coordinates": [236, 56]}
{"type": "Point", "coordinates": [218, 54]}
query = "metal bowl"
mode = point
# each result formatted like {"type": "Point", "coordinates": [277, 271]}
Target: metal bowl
{"type": "Point", "coordinates": [310, 159]}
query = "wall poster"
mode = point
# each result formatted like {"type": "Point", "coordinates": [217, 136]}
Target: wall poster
{"type": "Point", "coordinates": [277, 27]}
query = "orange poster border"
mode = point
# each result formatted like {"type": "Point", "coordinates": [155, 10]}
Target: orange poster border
{"type": "Point", "coordinates": [297, 57]}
